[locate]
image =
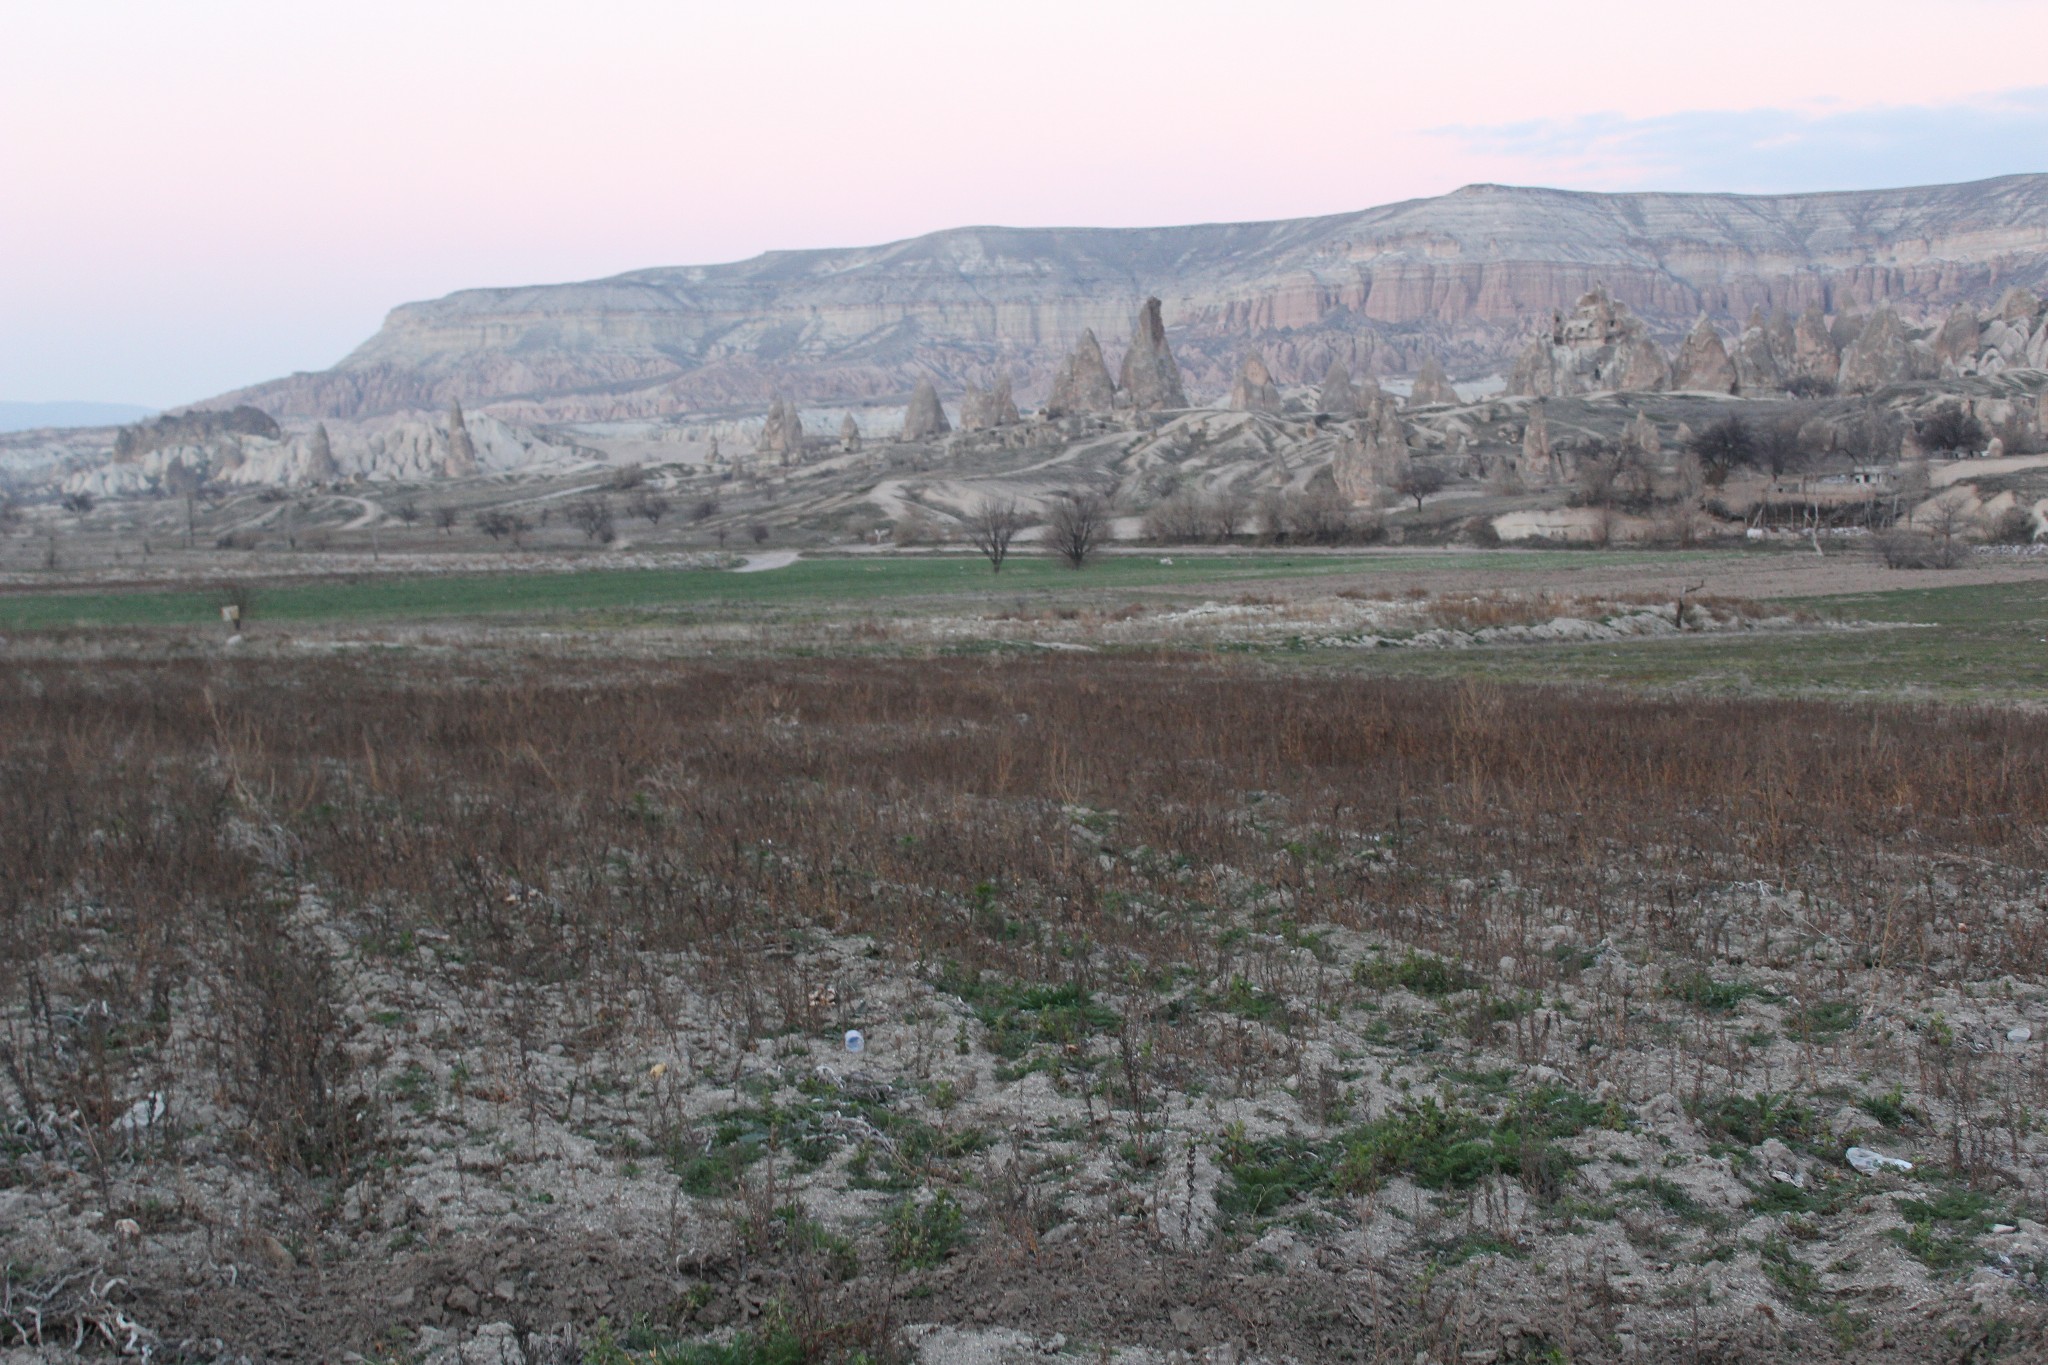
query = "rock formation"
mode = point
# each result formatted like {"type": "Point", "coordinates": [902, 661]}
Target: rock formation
{"type": "Point", "coordinates": [320, 462]}
{"type": "Point", "coordinates": [1601, 346]}
{"type": "Point", "coordinates": [1640, 436]}
{"type": "Point", "coordinates": [1347, 286]}
{"type": "Point", "coordinates": [1814, 353]}
{"type": "Point", "coordinates": [1882, 354]}
{"type": "Point", "coordinates": [849, 434]}
{"type": "Point", "coordinates": [193, 428]}
{"type": "Point", "coordinates": [782, 435]}
{"type": "Point", "coordinates": [1702, 365]}
{"type": "Point", "coordinates": [1338, 397]}
{"type": "Point", "coordinates": [1956, 344]}
{"type": "Point", "coordinates": [924, 419]}
{"type": "Point", "coordinates": [1372, 450]}
{"type": "Point", "coordinates": [1432, 385]}
{"type": "Point", "coordinates": [1757, 367]}
{"type": "Point", "coordinates": [985, 409]}
{"type": "Point", "coordinates": [1150, 380]}
{"type": "Point", "coordinates": [461, 460]}
{"type": "Point", "coordinates": [1254, 390]}
{"type": "Point", "coordinates": [1539, 462]}
{"type": "Point", "coordinates": [2015, 335]}
{"type": "Point", "coordinates": [1082, 384]}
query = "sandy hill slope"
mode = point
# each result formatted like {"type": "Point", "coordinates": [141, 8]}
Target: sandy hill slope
{"type": "Point", "coordinates": [1464, 277]}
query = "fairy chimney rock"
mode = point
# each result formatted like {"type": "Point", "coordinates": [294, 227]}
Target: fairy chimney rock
{"type": "Point", "coordinates": [1432, 385]}
{"type": "Point", "coordinates": [1150, 381]}
{"type": "Point", "coordinates": [1254, 390]}
{"type": "Point", "coordinates": [1338, 397]}
{"type": "Point", "coordinates": [1703, 365]}
{"type": "Point", "coordinates": [924, 419]}
{"type": "Point", "coordinates": [983, 409]}
{"type": "Point", "coordinates": [1081, 384]}
{"type": "Point", "coordinates": [782, 435]}
{"type": "Point", "coordinates": [461, 460]}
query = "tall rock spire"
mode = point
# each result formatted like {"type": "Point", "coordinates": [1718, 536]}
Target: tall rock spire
{"type": "Point", "coordinates": [1150, 379]}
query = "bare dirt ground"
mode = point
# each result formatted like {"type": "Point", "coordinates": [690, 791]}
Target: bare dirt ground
{"type": "Point", "coordinates": [490, 1006]}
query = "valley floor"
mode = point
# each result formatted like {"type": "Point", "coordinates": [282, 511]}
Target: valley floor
{"type": "Point", "coordinates": [1457, 956]}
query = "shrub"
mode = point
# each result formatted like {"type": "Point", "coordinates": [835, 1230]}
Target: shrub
{"type": "Point", "coordinates": [919, 1236]}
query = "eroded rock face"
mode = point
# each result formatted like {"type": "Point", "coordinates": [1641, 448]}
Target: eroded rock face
{"type": "Point", "coordinates": [925, 418]}
{"type": "Point", "coordinates": [1150, 381]}
{"type": "Point", "coordinates": [1703, 365]}
{"type": "Point", "coordinates": [782, 436]}
{"type": "Point", "coordinates": [1640, 436]}
{"type": "Point", "coordinates": [1539, 462]}
{"type": "Point", "coordinates": [320, 463]}
{"type": "Point", "coordinates": [1350, 287]}
{"type": "Point", "coordinates": [1432, 385]}
{"type": "Point", "coordinates": [1254, 390]}
{"type": "Point", "coordinates": [1338, 397]}
{"type": "Point", "coordinates": [1882, 354]}
{"type": "Point", "coordinates": [1814, 353]}
{"type": "Point", "coordinates": [1082, 384]}
{"type": "Point", "coordinates": [461, 460]}
{"type": "Point", "coordinates": [985, 409]}
{"type": "Point", "coordinates": [1642, 366]}
{"type": "Point", "coordinates": [849, 434]}
{"type": "Point", "coordinates": [1955, 345]}
{"type": "Point", "coordinates": [1757, 367]}
{"type": "Point", "coordinates": [1372, 450]}
{"type": "Point", "coordinates": [1599, 346]}
{"type": "Point", "coordinates": [2017, 304]}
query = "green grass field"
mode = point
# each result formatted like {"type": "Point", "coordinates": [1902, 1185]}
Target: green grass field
{"type": "Point", "coordinates": [1963, 643]}
{"type": "Point", "coordinates": [632, 593]}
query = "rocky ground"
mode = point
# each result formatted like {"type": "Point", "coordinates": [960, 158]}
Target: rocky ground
{"type": "Point", "coordinates": [1349, 1024]}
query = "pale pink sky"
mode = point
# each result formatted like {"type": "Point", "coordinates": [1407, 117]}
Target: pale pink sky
{"type": "Point", "coordinates": [204, 194]}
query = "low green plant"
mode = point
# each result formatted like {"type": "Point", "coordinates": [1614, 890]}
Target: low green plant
{"type": "Point", "coordinates": [919, 1236]}
{"type": "Point", "coordinates": [1426, 976]}
{"type": "Point", "coordinates": [1704, 993]}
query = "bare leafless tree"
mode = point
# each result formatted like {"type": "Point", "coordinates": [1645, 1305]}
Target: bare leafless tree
{"type": "Point", "coordinates": [991, 526]}
{"type": "Point", "coordinates": [593, 517]}
{"type": "Point", "coordinates": [648, 504]}
{"type": "Point", "coordinates": [1948, 523]}
{"type": "Point", "coordinates": [1418, 480]}
{"type": "Point", "coordinates": [1076, 526]}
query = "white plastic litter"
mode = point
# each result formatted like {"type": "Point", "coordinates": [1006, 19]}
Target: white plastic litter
{"type": "Point", "coordinates": [141, 1114]}
{"type": "Point", "coordinates": [1870, 1163]}
{"type": "Point", "coordinates": [2018, 1033]}
{"type": "Point", "coordinates": [854, 1042]}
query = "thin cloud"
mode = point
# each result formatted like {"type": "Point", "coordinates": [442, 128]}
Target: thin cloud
{"type": "Point", "coordinates": [1774, 150]}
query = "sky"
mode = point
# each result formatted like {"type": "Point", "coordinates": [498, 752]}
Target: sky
{"type": "Point", "coordinates": [202, 195]}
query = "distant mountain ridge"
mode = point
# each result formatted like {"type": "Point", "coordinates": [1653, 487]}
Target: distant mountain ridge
{"type": "Point", "coordinates": [1465, 277]}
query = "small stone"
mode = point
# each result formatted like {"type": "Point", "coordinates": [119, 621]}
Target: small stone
{"type": "Point", "coordinates": [1870, 1162]}
{"type": "Point", "coordinates": [2019, 1033]}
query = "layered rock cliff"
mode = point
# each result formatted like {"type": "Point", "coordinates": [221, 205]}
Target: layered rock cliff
{"type": "Point", "coordinates": [1467, 277]}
